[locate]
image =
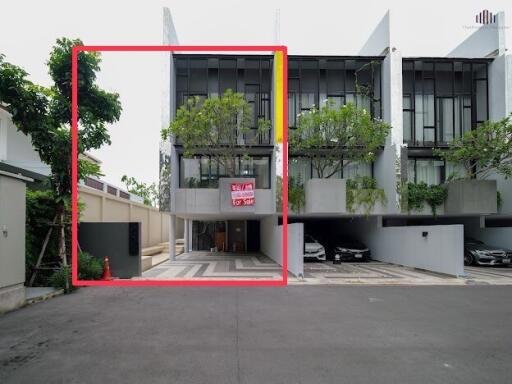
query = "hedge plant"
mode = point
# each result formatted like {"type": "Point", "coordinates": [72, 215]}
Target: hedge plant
{"type": "Point", "coordinates": [421, 193]}
{"type": "Point", "coordinates": [296, 194]}
{"type": "Point", "coordinates": [363, 192]}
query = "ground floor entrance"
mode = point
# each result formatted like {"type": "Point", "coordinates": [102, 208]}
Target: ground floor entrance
{"type": "Point", "coordinates": [238, 236]}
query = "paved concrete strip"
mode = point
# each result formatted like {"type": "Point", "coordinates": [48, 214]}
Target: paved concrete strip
{"type": "Point", "coordinates": [321, 335]}
{"type": "Point", "coordinates": [208, 265]}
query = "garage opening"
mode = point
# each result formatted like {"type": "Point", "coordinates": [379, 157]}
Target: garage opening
{"type": "Point", "coordinates": [351, 242]}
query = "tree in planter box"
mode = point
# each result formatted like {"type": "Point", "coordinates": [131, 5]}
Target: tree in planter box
{"type": "Point", "coordinates": [334, 138]}
{"type": "Point", "coordinates": [485, 150]}
{"type": "Point", "coordinates": [217, 126]}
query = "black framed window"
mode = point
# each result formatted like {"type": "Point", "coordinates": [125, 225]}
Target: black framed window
{"type": "Point", "coordinates": [313, 81]}
{"type": "Point", "coordinates": [211, 75]}
{"type": "Point", "coordinates": [432, 170]}
{"type": "Point", "coordinates": [301, 168]}
{"type": "Point", "coordinates": [442, 99]}
{"type": "Point", "coordinates": [204, 171]}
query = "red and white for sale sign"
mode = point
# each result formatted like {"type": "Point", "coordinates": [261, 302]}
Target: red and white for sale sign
{"type": "Point", "coordinates": [242, 194]}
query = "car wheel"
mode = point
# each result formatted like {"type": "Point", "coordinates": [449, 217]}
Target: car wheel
{"type": "Point", "coordinates": [468, 258]}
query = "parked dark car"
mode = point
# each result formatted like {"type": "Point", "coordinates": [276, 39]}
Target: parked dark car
{"type": "Point", "coordinates": [478, 253]}
{"type": "Point", "coordinates": [350, 250]}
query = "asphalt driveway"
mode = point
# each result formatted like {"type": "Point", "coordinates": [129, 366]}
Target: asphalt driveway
{"type": "Point", "coordinates": [298, 334]}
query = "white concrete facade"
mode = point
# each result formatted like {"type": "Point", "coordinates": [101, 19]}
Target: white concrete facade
{"type": "Point", "coordinates": [391, 166]}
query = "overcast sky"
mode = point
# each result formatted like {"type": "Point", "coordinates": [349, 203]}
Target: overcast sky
{"type": "Point", "coordinates": [28, 29]}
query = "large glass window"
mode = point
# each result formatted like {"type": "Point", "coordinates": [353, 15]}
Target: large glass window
{"type": "Point", "coordinates": [446, 98]}
{"type": "Point", "coordinates": [190, 173]}
{"type": "Point", "coordinates": [429, 171]}
{"type": "Point", "coordinates": [311, 82]}
{"type": "Point", "coordinates": [352, 170]}
{"type": "Point", "coordinates": [433, 171]}
{"type": "Point", "coordinates": [301, 168]}
{"type": "Point", "coordinates": [210, 76]}
{"type": "Point", "coordinates": [205, 171]}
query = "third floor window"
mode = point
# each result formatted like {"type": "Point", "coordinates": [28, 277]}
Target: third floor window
{"type": "Point", "coordinates": [313, 81]}
{"type": "Point", "coordinates": [442, 99]}
{"type": "Point", "coordinates": [211, 75]}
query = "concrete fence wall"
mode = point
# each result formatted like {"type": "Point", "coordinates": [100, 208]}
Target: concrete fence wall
{"type": "Point", "coordinates": [437, 248]}
{"type": "Point", "coordinates": [103, 207]}
{"type": "Point", "coordinates": [272, 243]}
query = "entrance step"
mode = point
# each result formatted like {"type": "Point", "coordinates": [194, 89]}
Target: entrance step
{"type": "Point", "coordinates": [146, 263]}
{"type": "Point", "coordinates": [149, 262]}
{"type": "Point", "coordinates": [152, 250]}
{"type": "Point", "coordinates": [180, 247]}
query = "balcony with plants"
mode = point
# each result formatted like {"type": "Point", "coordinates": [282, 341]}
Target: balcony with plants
{"type": "Point", "coordinates": [477, 159]}
{"type": "Point", "coordinates": [331, 155]}
{"type": "Point", "coordinates": [210, 154]}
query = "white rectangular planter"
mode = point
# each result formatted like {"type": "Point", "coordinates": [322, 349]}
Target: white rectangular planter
{"type": "Point", "coordinates": [427, 211]}
{"type": "Point", "coordinates": [378, 209]}
{"type": "Point", "coordinates": [471, 197]}
{"type": "Point", "coordinates": [196, 200]}
{"type": "Point", "coordinates": [218, 200]}
{"type": "Point", "coordinates": [326, 196]}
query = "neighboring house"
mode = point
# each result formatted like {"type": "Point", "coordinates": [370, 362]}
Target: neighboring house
{"type": "Point", "coordinates": [428, 101]}
{"type": "Point", "coordinates": [12, 240]}
{"type": "Point", "coordinates": [16, 152]}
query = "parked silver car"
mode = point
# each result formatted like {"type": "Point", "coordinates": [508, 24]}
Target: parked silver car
{"type": "Point", "coordinates": [313, 249]}
{"type": "Point", "coordinates": [479, 253]}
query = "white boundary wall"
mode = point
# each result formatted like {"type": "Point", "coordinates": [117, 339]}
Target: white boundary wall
{"type": "Point", "coordinates": [442, 250]}
{"type": "Point", "coordinates": [272, 243]}
{"type": "Point", "coordinates": [103, 207]}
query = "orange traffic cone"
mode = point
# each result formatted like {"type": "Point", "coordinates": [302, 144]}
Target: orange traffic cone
{"type": "Point", "coordinates": [106, 270]}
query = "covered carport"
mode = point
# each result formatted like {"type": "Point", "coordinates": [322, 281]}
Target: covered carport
{"type": "Point", "coordinates": [433, 247]}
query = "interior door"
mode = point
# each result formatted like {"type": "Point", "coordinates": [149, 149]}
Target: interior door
{"type": "Point", "coordinates": [253, 236]}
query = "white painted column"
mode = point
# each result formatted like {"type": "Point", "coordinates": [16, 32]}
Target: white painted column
{"type": "Point", "coordinates": [186, 235]}
{"type": "Point", "coordinates": [172, 237]}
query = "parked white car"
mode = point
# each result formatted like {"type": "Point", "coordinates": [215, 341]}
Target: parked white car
{"type": "Point", "coordinates": [313, 249]}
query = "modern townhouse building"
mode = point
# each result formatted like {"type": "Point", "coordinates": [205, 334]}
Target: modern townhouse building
{"type": "Point", "coordinates": [427, 101]}
{"type": "Point", "coordinates": [200, 185]}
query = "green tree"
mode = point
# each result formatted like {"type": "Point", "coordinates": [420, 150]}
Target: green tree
{"type": "Point", "coordinates": [147, 191]}
{"type": "Point", "coordinates": [45, 115]}
{"type": "Point", "coordinates": [335, 137]}
{"type": "Point", "coordinates": [217, 125]}
{"type": "Point", "coordinates": [484, 150]}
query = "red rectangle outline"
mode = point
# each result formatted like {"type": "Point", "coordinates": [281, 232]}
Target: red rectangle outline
{"type": "Point", "coordinates": [74, 164]}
